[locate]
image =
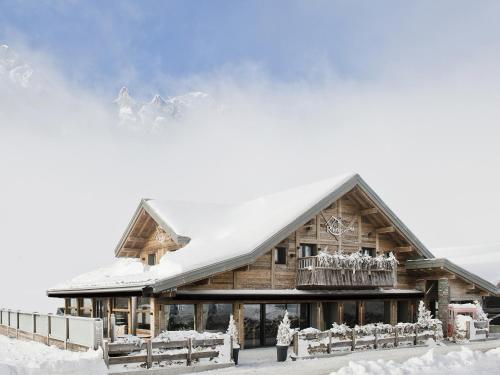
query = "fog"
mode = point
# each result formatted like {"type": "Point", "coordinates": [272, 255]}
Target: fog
{"type": "Point", "coordinates": [71, 177]}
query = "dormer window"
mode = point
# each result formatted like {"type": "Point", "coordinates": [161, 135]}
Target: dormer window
{"type": "Point", "coordinates": [151, 259]}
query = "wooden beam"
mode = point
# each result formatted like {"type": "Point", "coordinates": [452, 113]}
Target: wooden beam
{"type": "Point", "coordinates": [385, 230]}
{"type": "Point", "coordinates": [403, 249]}
{"type": "Point", "coordinates": [136, 239]}
{"type": "Point", "coordinates": [369, 211]}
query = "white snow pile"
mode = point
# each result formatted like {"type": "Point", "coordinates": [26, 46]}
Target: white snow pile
{"type": "Point", "coordinates": [159, 111]}
{"type": "Point", "coordinates": [356, 261]}
{"type": "Point", "coordinates": [32, 358]}
{"type": "Point", "coordinates": [462, 362]}
{"type": "Point", "coordinates": [218, 232]}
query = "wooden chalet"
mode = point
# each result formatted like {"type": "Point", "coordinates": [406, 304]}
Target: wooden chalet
{"type": "Point", "coordinates": [189, 266]}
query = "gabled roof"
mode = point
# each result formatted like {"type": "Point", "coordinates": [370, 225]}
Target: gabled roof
{"type": "Point", "coordinates": [225, 237]}
{"type": "Point", "coordinates": [447, 265]}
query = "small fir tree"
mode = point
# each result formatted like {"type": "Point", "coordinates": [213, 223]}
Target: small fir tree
{"type": "Point", "coordinates": [424, 316]}
{"type": "Point", "coordinates": [232, 330]}
{"type": "Point", "coordinates": [284, 332]}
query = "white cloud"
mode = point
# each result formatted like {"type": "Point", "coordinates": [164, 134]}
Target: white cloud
{"type": "Point", "coordinates": [71, 178]}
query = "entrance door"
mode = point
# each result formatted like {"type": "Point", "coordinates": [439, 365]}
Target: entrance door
{"type": "Point", "coordinates": [252, 325]}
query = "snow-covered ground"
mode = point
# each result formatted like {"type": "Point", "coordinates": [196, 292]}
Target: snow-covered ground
{"type": "Point", "coordinates": [32, 358]}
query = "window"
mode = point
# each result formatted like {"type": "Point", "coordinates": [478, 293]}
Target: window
{"type": "Point", "coordinates": [143, 313]}
{"type": "Point", "coordinates": [86, 308]}
{"type": "Point", "coordinates": [151, 259]}
{"type": "Point", "coordinates": [216, 316]}
{"type": "Point", "coordinates": [370, 251]}
{"type": "Point", "coordinates": [121, 311]}
{"type": "Point", "coordinates": [280, 255]}
{"type": "Point", "coordinates": [179, 317]}
{"type": "Point", "coordinates": [377, 312]}
{"type": "Point", "coordinates": [351, 313]}
{"type": "Point", "coordinates": [307, 250]}
{"type": "Point", "coordinates": [72, 306]}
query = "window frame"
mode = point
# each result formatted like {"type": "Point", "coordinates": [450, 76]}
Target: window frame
{"type": "Point", "coordinates": [284, 257]}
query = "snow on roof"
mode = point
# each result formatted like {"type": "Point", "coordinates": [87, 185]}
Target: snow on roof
{"type": "Point", "coordinates": [482, 260]}
{"type": "Point", "coordinates": [218, 232]}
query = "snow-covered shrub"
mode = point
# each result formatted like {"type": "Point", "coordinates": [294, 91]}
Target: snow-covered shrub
{"type": "Point", "coordinates": [232, 330]}
{"type": "Point", "coordinates": [284, 336]}
{"type": "Point", "coordinates": [356, 261]}
{"type": "Point", "coordinates": [461, 327]}
{"type": "Point", "coordinates": [425, 322]}
{"type": "Point", "coordinates": [405, 329]}
{"type": "Point", "coordinates": [341, 332]}
{"type": "Point", "coordinates": [480, 314]}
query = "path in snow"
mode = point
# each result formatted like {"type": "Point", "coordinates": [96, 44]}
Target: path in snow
{"type": "Point", "coordinates": [262, 361]}
{"type": "Point", "coordinates": [32, 358]}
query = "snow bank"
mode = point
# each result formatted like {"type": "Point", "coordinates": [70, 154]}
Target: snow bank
{"type": "Point", "coordinates": [32, 358]}
{"type": "Point", "coordinates": [463, 362]}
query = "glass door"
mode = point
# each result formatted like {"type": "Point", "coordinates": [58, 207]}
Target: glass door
{"type": "Point", "coordinates": [252, 326]}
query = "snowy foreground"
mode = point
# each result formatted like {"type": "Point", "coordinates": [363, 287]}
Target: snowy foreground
{"type": "Point", "coordinates": [32, 358]}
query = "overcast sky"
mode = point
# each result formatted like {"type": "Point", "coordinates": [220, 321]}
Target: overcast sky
{"type": "Point", "coordinates": [405, 93]}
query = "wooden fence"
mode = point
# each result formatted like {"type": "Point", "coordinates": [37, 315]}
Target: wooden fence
{"type": "Point", "coordinates": [118, 353]}
{"type": "Point", "coordinates": [327, 342]}
{"type": "Point", "coordinates": [64, 331]}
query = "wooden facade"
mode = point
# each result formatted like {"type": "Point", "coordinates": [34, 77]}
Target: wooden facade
{"type": "Point", "coordinates": [278, 275]}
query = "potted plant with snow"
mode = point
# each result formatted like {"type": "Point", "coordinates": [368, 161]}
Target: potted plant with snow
{"type": "Point", "coordinates": [232, 331]}
{"type": "Point", "coordinates": [284, 338]}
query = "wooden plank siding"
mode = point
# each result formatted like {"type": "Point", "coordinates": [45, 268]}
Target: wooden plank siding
{"type": "Point", "coordinates": [264, 274]}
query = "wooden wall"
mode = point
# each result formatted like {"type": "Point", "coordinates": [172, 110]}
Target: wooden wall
{"type": "Point", "coordinates": [265, 274]}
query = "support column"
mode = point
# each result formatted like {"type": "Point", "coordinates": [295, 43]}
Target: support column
{"type": "Point", "coordinates": [133, 316]}
{"type": "Point", "coordinates": [443, 302]}
{"type": "Point", "coordinates": [238, 316]}
{"type": "Point", "coordinates": [394, 312]}
{"type": "Point", "coordinates": [155, 319]}
{"type": "Point", "coordinates": [199, 317]}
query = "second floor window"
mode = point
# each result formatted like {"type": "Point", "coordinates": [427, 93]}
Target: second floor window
{"type": "Point", "coordinates": [151, 259]}
{"type": "Point", "coordinates": [308, 250]}
{"type": "Point", "coordinates": [280, 255]}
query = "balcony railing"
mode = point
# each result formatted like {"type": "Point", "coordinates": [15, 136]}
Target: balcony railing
{"type": "Point", "coordinates": [313, 273]}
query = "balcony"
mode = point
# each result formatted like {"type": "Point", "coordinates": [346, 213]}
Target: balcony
{"type": "Point", "coordinates": [340, 271]}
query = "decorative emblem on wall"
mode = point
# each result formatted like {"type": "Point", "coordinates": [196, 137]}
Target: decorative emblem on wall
{"type": "Point", "coordinates": [337, 227]}
{"type": "Point", "coordinates": [160, 235]}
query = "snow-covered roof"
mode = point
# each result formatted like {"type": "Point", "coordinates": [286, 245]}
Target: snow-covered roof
{"type": "Point", "coordinates": [226, 236]}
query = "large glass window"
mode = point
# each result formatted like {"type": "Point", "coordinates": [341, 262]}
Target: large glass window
{"type": "Point", "coordinates": [351, 313]}
{"type": "Point", "coordinates": [143, 313]}
{"type": "Point", "coordinates": [216, 316]}
{"type": "Point", "coordinates": [86, 307]}
{"type": "Point", "coordinates": [121, 311]}
{"type": "Point", "coordinates": [252, 326]}
{"type": "Point", "coordinates": [179, 317]}
{"type": "Point", "coordinates": [331, 314]}
{"type": "Point", "coordinates": [377, 312]}
{"type": "Point", "coordinates": [404, 315]}
{"type": "Point", "coordinates": [72, 307]}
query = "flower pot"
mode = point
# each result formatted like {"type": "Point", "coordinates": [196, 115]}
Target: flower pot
{"type": "Point", "coordinates": [281, 351]}
{"type": "Point", "coordinates": [236, 351]}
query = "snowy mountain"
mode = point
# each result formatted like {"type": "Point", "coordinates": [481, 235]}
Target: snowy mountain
{"type": "Point", "coordinates": [13, 69]}
{"type": "Point", "coordinates": [157, 112]}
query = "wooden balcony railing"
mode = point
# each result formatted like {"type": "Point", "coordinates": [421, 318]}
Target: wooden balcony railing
{"type": "Point", "coordinates": [312, 276]}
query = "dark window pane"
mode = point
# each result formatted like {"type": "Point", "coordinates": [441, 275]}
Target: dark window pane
{"type": "Point", "coordinates": [370, 251]}
{"type": "Point", "coordinates": [404, 312]}
{"type": "Point", "coordinates": [280, 255]}
{"type": "Point", "coordinates": [252, 326]}
{"type": "Point", "coordinates": [331, 313]}
{"type": "Point", "coordinates": [216, 316]}
{"type": "Point", "coordinates": [351, 313]}
{"type": "Point", "coordinates": [151, 259]}
{"type": "Point", "coordinates": [120, 303]}
{"type": "Point", "coordinates": [274, 316]}
{"type": "Point", "coordinates": [179, 317]}
{"type": "Point", "coordinates": [307, 250]}
{"type": "Point", "coordinates": [377, 312]}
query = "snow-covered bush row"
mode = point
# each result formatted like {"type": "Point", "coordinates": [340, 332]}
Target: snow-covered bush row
{"type": "Point", "coordinates": [462, 362]}
{"type": "Point", "coordinates": [32, 358]}
{"type": "Point", "coordinates": [356, 261]}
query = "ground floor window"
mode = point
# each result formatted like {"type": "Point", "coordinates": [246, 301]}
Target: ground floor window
{"type": "Point", "coordinates": [216, 316]}
{"type": "Point", "coordinates": [72, 306]}
{"type": "Point", "coordinates": [261, 321]}
{"type": "Point", "coordinates": [331, 313]}
{"type": "Point", "coordinates": [405, 312]}
{"type": "Point", "coordinates": [86, 307]}
{"type": "Point", "coordinates": [121, 311]}
{"type": "Point", "coordinates": [143, 313]}
{"type": "Point", "coordinates": [351, 313]}
{"type": "Point", "coordinates": [179, 317]}
{"type": "Point", "coordinates": [377, 312]}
